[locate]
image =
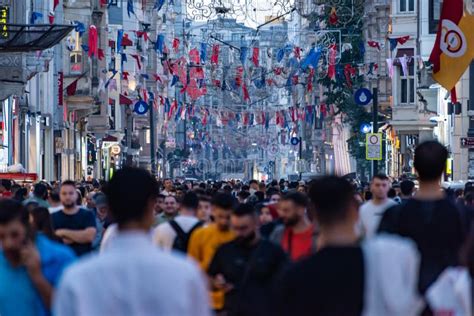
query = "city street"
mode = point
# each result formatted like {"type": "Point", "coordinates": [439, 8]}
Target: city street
{"type": "Point", "coordinates": [234, 158]}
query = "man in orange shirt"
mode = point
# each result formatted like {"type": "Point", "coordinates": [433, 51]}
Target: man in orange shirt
{"type": "Point", "coordinates": [205, 241]}
{"type": "Point", "coordinates": [297, 236]}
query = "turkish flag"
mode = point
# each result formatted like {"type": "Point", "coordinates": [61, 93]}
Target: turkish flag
{"type": "Point", "coordinates": [374, 44]}
{"type": "Point", "coordinates": [402, 40]}
{"type": "Point", "coordinates": [124, 100]}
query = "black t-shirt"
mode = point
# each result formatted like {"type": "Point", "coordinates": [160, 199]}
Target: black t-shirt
{"type": "Point", "coordinates": [253, 295]}
{"type": "Point", "coordinates": [79, 221]}
{"type": "Point", "coordinates": [329, 283]}
{"type": "Point", "coordinates": [435, 226]}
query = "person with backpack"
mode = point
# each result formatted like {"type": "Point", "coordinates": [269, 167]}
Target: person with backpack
{"type": "Point", "coordinates": [175, 234]}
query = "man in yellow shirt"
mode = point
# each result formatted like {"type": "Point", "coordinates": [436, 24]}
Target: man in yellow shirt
{"type": "Point", "coordinates": [205, 241]}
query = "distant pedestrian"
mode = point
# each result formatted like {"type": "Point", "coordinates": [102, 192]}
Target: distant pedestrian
{"type": "Point", "coordinates": [75, 226]}
{"type": "Point", "coordinates": [170, 210]}
{"type": "Point", "coordinates": [407, 189]}
{"type": "Point", "coordinates": [372, 211]}
{"type": "Point", "coordinates": [40, 195]}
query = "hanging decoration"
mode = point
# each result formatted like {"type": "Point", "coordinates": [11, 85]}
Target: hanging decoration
{"type": "Point", "coordinates": [93, 41]}
{"type": "Point", "coordinates": [215, 54]}
{"type": "Point", "coordinates": [130, 9]}
{"type": "Point", "coordinates": [374, 44]}
{"type": "Point", "coordinates": [333, 18]}
{"type": "Point", "coordinates": [255, 56]}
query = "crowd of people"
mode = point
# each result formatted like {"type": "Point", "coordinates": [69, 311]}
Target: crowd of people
{"type": "Point", "coordinates": [138, 246]}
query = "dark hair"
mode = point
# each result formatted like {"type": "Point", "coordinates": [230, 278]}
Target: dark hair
{"type": "Point", "coordinates": [260, 195]}
{"type": "Point", "coordinates": [11, 210]}
{"type": "Point", "coordinates": [430, 160]}
{"type": "Point", "coordinates": [40, 191]}
{"type": "Point", "coordinates": [7, 184]}
{"type": "Point", "coordinates": [458, 192]}
{"type": "Point", "coordinates": [380, 176]}
{"type": "Point", "coordinates": [252, 182]}
{"type": "Point", "coordinates": [331, 197]}
{"type": "Point", "coordinates": [20, 195]}
{"type": "Point", "coordinates": [406, 187]}
{"type": "Point", "coordinates": [54, 196]}
{"type": "Point", "coordinates": [392, 193]}
{"type": "Point", "coordinates": [244, 209]}
{"type": "Point", "coordinates": [129, 193]}
{"type": "Point", "coordinates": [42, 222]}
{"type": "Point", "coordinates": [161, 196]}
{"type": "Point", "coordinates": [68, 182]}
{"type": "Point", "coordinates": [190, 200]}
{"type": "Point", "coordinates": [296, 197]}
{"type": "Point", "coordinates": [367, 195]}
{"type": "Point", "coordinates": [245, 187]}
{"type": "Point", "coordinates": [224, 201]}
{"type": "Point", "coordinates": [272, 191]}
{"type": "Point", "coordinates": [204, 198]}
{"type": "Point", "coordinates": [243, 194]}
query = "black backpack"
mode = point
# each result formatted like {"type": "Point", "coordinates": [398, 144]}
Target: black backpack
{"type": "Point", "coordinates": [182, 239]}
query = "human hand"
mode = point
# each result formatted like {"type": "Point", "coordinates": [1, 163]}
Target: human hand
{"type": "Point", "coordinates": [30, 258]}
{"type": "Point", "coordinates": [220, 283]}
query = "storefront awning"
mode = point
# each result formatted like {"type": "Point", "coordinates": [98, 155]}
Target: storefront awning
{"type": "Point", "coordinates": [31, 37]}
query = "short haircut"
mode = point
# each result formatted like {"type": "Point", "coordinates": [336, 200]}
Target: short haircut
{"type": "Point", "coordinates": [331, 197]}
{"type": "Point", "coordinates": [381, 176]}
{"type": "Point", "coordinates": [392, 193]}
{"type": "Point", "coordinates": [469, 198]}
{"type": "Point", "coordinates": [171, 196]}
{"type": "Point", "coordinates": [54, 196]}
{"type": "Point", "coordinates": [40, 190]}
{"type": "Point", "coordinates": [407, 187]}
{"type": "Point", "coordinates": [224, 201]}
{"type": "Point", "coordinates": [297, 198]}
{"type": "Point", "coordinates": [11, 210]}
{"type": "Point", "coordinates": [430, 160]}
{"type": "Point", "coordinates": [7, 184]}
{"type": "Point", "coordinates": [190, 200]}
{"type": "Point", "coordinates": [272, 191]}
{"type": "Point", "coordinates": [243, 194]}
{"type": "Point", "coordinates": [204, 198]}
{"type": "Point", "coordinates": [129, 193]}
{"type": "Point", "coordinates": [68, 182]}
{"type": "Point", "coordinates": [244, 209]}
{"type": "Point", "coordinates": [253, 181]}
{"type": "Point", "coordinates": [160, 196]}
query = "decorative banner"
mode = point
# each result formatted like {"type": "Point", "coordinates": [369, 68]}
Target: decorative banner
{"type": "Point", "coordinates": [333, 18]}
{"type": "Point", "coordinates": [123, 100]}
{"type": "Point", "coordinates": [255, 56]}
{"type": "Point", "coordinates": [160, 41]}
{"type": "Point", "coordinates": [215, 55]}
{"type": "Point", "coordinates": [60, 88]}
{"type": "Point", "coordinates": [404, 63]}
{"type": "Point", "coordinates": [93, 41]}
{"type": "Point", "coordinates": [243, 54]}
{"type": "Point", "coordinates": [159, 4]}
{"type": "Point", "coordinates": [390, 67]}
{"type": "Point", "coordinates": [203, 53]}
{"type": "Point", "coordinates": [374, 44]}
{"type": "Point", "coordinates": [141, 107]}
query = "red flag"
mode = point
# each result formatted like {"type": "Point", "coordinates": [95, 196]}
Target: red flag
{"type": "Point", "coordinates": [176, 45]}
{"type": "Point", "coordinates": [332, 61]}
{"type": "Point", "coordinates": [51, 18]}
{"type": "Point", "coordinates": [194, 56]}
{"type": "Point", "coordinates": [145, 95]}
{"type": "Point", "coordinates": [144, 34]}
{"type": "Point", "coordinates": [111, 101]}
{"type": "Point", "coordinates": [93, 41]}
{"type": "Point", "coordinates": [255, 56]}
{"type": "Point", "coordinates": [103, 3]}
{"type": "Point", "coordinates": [215, 55]}
{"type": "Point", "coordinates": [333, 18]}
{"type": "Point", "coordinates": [137, 58]}
{"type": "Point", "coordinates": [101, 54]}
{"type": "Point", "coordinates": [55, 4]}
{"type": "Point", "coordinates": [402, 40]}
{"type": "Point", "coordinates": [297, 53]}
{"type": "Point", "coordinates": [125, 75]}
{"type": "Point", "coordinates": [374, 44]}
{"type": "Point", "coordinates": [454, 96]}
{"type": "Point", "coordinates": [157, 78]}
{"type": "Point", "coordinates": [246, 93]}
{"type": "Point", "coordinates": [71, 89]}
{"type": "Point", "coordinates": [123, 100]}
{"type": "Point", "coordinates": [126, 41]}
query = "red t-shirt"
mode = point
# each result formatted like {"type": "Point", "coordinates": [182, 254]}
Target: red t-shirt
{"type": "Point", "coordinates": [300, 245]}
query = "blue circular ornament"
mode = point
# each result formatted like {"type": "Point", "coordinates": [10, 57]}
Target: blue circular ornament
{"type": "Point", "coordinates": [363, 96]}
{"type": "Point", "coordinates": [294, 141]}
{"type": "Point", "coordinates": [141, 107]}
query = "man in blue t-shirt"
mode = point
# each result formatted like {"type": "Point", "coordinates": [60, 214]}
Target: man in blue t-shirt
{"type": "Point", "coordinates": [30, 265]}
{"type": "Point", "coordinates": [74, 225]}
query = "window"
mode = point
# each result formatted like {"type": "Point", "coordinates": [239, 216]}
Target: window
{"type": "Point", "coordinates": [407, 85]}
{"type": "Point", "coordinates": [434, 15]}
{"type": "Point", "coordinates": [406, 6]}
{"type": "Point", "coordinates": [75, 62]}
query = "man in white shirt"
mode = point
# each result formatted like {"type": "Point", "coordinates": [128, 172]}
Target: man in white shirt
{"type": "Point", "coordinates": [131, 276]}
{"type": "Point", "coordinates": [371, 212]}
{"type": "Point", "coordinates": [180, 227]}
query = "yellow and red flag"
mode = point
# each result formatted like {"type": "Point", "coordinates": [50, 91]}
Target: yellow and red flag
{"type": "Point", "coordinates": [454, 46]}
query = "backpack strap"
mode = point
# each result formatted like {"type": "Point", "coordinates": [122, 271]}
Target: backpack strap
{"type": "Point", "coordinates": [179, 231]}
{"type": "Point", "coordinates": [196, 226]}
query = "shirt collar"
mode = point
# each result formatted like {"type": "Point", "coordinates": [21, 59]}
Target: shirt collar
{"type": "Point", "coordinates": [129, 241]}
